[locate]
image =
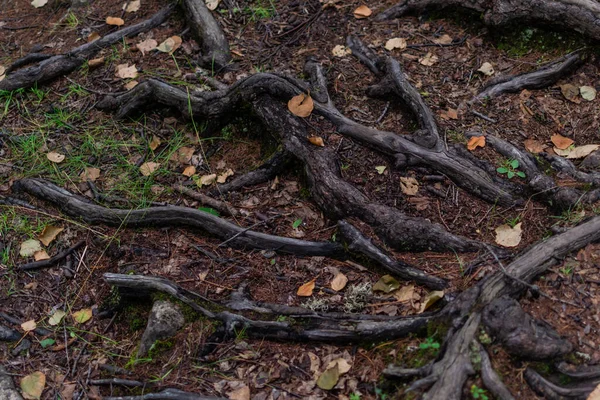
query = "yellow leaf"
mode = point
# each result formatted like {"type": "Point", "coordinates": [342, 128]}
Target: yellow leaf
{"type": "Point", "coordinates": [56, 317]}
{"type": "Point", "coordinates": [190, 170]}
{"type": "Point", "coordinates": [82, 315]}
{"type": "Point", "coordinates": [395, 43]}
{"type": "Point", "coordinates": [49, 234]}
{"type": "Point", "coordinates": [170, 45]}
{"type": "Point", "coordinates": [316, 140]}
{"type": "Point", "coordinates": [561, 142]}
{"type": "Point", "coordinates": [329, 378]}
{"type": "Point", "coordinates": [222, 178]}
{"type": "Point", "coordinates": [508, 236]}
{"type": "Point", "coordinates": [431, 299]}
{"type": "Point", "coordinates": [33, 385]}
{"type": "Point", "coordinates": [55, 157]}
{"type": "Point", "coordinates": [115, 21]}
{"type": "Point", "coordinates": [29, 325]}
{"type": "Point", "coordinates": [148, 168]}
{"type": "Point", "coordinates": [301, 105]}
{"type": "Point", "coordinates": [475, 142]}
{"type": "Point", "coordinates": [362, 12]}
{"type": "Point", "coordinates": [306, 290]}
{"type": "Point", "coordinates": [40, 255]}
{"type": "Point", "coordinates": [339, 282]}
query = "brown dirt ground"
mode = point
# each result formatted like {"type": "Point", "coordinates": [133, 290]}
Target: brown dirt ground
{"type": "Point", "coordinates": [279, 42]}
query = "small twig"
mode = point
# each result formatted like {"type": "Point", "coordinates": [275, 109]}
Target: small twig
{"type": "Point", "coordinates": [483, 116]}
{"type": "Point", "coordinates": [51, 261]}
{"type": "Point", "coordinates": [246, 230]}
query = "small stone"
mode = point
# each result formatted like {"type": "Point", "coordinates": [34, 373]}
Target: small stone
{"type": "Point", "coordinates": [164, 321]}
{"type": "Point", "coordinates": [7, 387]}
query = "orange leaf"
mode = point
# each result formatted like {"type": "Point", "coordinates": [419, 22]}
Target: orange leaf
{"type": "Point", "coordinates": [301, 105]}
{"type": "Point", "coordinates": [316, 140]}
{"type": "Point", "coordinates": [561, 142]}
{"type": "Point", "coordinates": [306, 290]}
{"type": "Point", "coordinates": [475, 142]}
{"type": "Point", "coordinates": [115, 21]}
{"type": "Point", "coordinates": [362, 12]}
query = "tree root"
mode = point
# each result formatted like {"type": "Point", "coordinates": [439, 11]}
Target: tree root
{"type": "Point", "coordinates": [52, 260]}
{"type": "Point", "coordinates": [218, 205]}
{"type": "Point", "coordinates": [167, 394]}
{"type": "Point", "coordinates": [551, 391]}
{"type": "Point", "coordinates": [490, 378]}
{"type": "Point", "coordinates": [62, 64]}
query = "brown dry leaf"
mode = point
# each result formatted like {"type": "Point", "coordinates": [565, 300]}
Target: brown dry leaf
{"type": "Point", "coordinates": [55, 157]}
{"type": "Point", "coordinates": [475, 142]}
{"type": "Point", "coordinates": [170, 45]}
{"type": "Point", "coordinates": [341, 51]}
{"type": "Point", "coordinates": [581, 151]}
{"type": "Point", "coordinates": [595, 395]}
{"type": "Point", "coordinates": [133, 6]}
{"type": "Point", "coordinates": [301, 105]}
{"type": "Point", "coordinates": [131, 84]}
{"type": "Point", "coordinates": [428, 60]}
{"type": "Point", "coordinates": [561, 142]}
{"type": "Point", "coordinates": [534, 146]}
{"type": "Point", "coordinates": [316, 140]}
{"type": "Point", "coordinates": [395, 43]}
{"type": "Point", "coordinates": [409, 186]}
{"type": "Point", "coordinates": [571, 92]}
{"type": "Point", "coordinates": [154, 143]}
{"type": "Point", "coordinates": [90, 174]}
{"type": "Point", "coordinates": [148, 168]}
{"type": "Point", "coordinates": [362, 12]}
{"type": "Point", "coordinates": [444, 39]}
{"type": "Point", "coordinates": [50, 233]}
{"type": "Point", "coordinates": [507, 236]}
{"type": "Point", "coordinates": [486, 69]}
{"type": "Point", "coordinates": [306, 290]}
{"type": "Point", "coordinates": [2, 72]}
{"type": "Point", "coordinates": [93, 36]}
{"type": "Point", "coordinates": [93, 63]}
{"type": "Point", "coordinates": [212, 4]}
{"type": "Point", "coordinates": [222, 178]}
{"type": "Point", "coordinates": [242, 393]}
{"type": "Point", "coordinates": [82, 316]}
{"type": "Point", "coordinates": [451, 113]}
{"type": "Point", "coordinates": [67, 391]}
{"type": "Point", "coordinates": [207, 180]}
{"type": "Point", "coordinates": [33, 385]}
{"type": "Point", "coordinates": [190, 170]}
{"type": "Point", "coordinates": [183, 155]}
{"type": "Point", "coordinates": [115, 21]}
{"type": "Point", "coordinates": [29, 325]}
{"type": "Point", "coordinates": [146, 46]}
{"type": "Point", "coordinates": [405, 293]}
{"type": "Point", "coordinates": [430, 300]}
{"type": "Point", "coordinates": [40, 255]}
{"type": "Point", "coordinates": [342, 364]}
{"type": "Point", "coordinates": [125, 71]}
{"type": "Point", "coordinates": [339, 281]}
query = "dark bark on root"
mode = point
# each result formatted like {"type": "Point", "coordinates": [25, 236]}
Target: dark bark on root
{"type": "Point", "coordinates": [218, 205]}
{"type": "Point", "coordinates": [552, 391]}
{"type": "Point", "coordinates": [579, 371]}
{"type": "Point", "coordinates": [167, 394]}
{"type": "Point", "coordinates": [62, 64]}
{"type": "Point", "coordinates": [581, 16]}
{"type": "Point", "coordinates": [490, 378]}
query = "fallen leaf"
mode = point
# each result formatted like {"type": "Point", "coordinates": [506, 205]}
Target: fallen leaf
{"type": "Point", "coordinates": [222, 178]}
{"type": "Point", "coordinates": [406, 293]}
{"type": "Point", "coordinates": [207, 179]}
{"type": "Point", "coordinates": [386, 284]}
{"type": "Point", "coordinates": [183, 155]}
{"type": "Point", "coordinates": [409, 186]}
{"type": "Point", "coordinates": [55, 157]}
{"type": "Point", "coordinates": [571, 92]}
{"type": "Point", "coordinates": [301, 105]}
{"type": "Point", "coordinates": [115, 21]}
{"type": "Point", "coordinates": [341, 51]}
{"type": "Point", "coordinates": [125, 71]}
{"type": "Point", "coordinates": [316, 140]}
{"type": "Point", "coordinates": [93, 37]}
{"type": "Point", "coordinates": [189, 171]}
{"type": "Point", "coordinates": [29, 247]}
{"type": "Point", "coordinates": [430, 300]}
{"type": "Point", "coordinates": [242, 393]}
{"type": "Point", "coordinates": [2, 72]}
{"type": "Point", "coordinates": [561, 142]}
{"type": "Point", "coordinates": [362, 12]}
{"type": "Point", "coordinates": [40, 255]}
{"type": "Point", "coordinates": [339, 281]}
{"type": "Point", "coordinates": [154, 143]}
{"type": "Point", "coordinates": [595, 395]}
{"type": "Point", "coordinates": [82, 315]}
{"type": "Point", "coordinates": [475, 142]}
{"type": "Point", "coordinates": [56, 317]}
{"type": "Point", "coordinates": [534, 146]}
{"type": "Point", "coordinates": [380, 169]}
{"type": "Point", "coordinates": [428, 60]}
{"type": "Point", "coordinates": [95, 62]}
{"type": "Point", "coordinates": [342, 364]}
{"type": "Point", "coordinates": [90, 174]}
{"type": "Point", "coordinates": [395, 43]}
{"type": "Point", "coordinates": [68, 391]}
{"type": "Point", "coordinates": [508, 236]}
{"type": "Point", "coordinates": [29, 326]}
{"type": "Point", "coordinates": [444, 39]}
{"type": "Point", "coordinates": [146, 46]}
{"type": "Point", "coordinates": [582, 151]}
{"type": "Point", "coordinates": [39, 3]}
{"type": "Point", "coordinates": [33, 385]}
{"type": "Point", "coordinates": [306, 290]}
{"type": "Point", "coordinates": [486, 69]}
{"type": "Point", "coordinates": [329, 378]}
{"type": "Point", "coordinates": [50, 233]}
{"type": "Point", "coordinates": [588, 93]}
{"type": "Point", "coordinates": [131, 84]}
{"type": "Point", "coordinates": [212, 4]}
{"type": "Point", "coordinates": [133, 6]}
{"type": "Point", "coordinates": [451, 113]}
{"type": "Point", "coordinates": [170, 45]}
{"type": "Point", "coordinates": [148, 168]}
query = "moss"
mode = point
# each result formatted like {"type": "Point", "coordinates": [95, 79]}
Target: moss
{"type": "Point", "coordinates": [160, 346]}
{"type": "Point", "coordinates": [518, 40]}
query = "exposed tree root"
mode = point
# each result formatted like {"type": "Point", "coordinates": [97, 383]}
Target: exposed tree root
{"type": "Point", "coordinates": [167, 394]}
{"type": "Point", "coordinates": [578, 15]}
{"type": "Point", "coordinates": [552, 391]}
{"type": "Point", "coordinates": [218, 205]}
{"type": "Point", "coordinates": [490, 378]}
{"type": "Point", "coordinates": [62, 64]}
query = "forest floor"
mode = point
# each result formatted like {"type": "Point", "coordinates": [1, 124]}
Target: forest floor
{"type": "Point", "coordinates": [267, 35]}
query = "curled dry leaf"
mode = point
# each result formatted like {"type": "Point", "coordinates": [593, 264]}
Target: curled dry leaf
{"type": "Point", "coordinates": [316, 140]}
{"type": "Point", "coordinates": [93, 37]}
{"type": "Point", "coordinates": [189, 171]}
{"type": "Point", "coordinates": [146, 45]}
{"type": "Point", "coordinates": [577, 152]}
{"type": "Point", "coordinates": [148, 168]}
{"type": "Point", "coordinates": [430, 300]}
{"type": "Point", "coordinates": [595, 395]}
{"type": "Point", "coordinates": [222, 178]}
{"type": "Point", "coordinates": [428, 60]}
{"type": "Point", "coordinates": [386, 284]}
{"type": "Point", "coordinates": [339, 282]}
{"type": "Point", "coordinates": [170, 45]}
{"type": "Point", "coordinates": [534, 146]}
{"type": "Point", "coordinates": [56, 317]}
{"type": "Point", "coordinates": [95, 62]}
{"type": "Point", "coordinates": [116, 21]}
{"type": "Point", "coordinates": [29, 325]}
{"type": "Point", "coordinates": [183, 155]}
{"type": "Point", "coordinates": [588, 93]}
{"type": "Point", "coordinates": [444, 39]}
{"type": "Point", "coordinates": [50, 233]}
{"type": "Point", "coordinates": [395, 43]}
{"type": "Point", "coordinates": [571, 92]}
{"type": "Point", "coordinates": [39, 3]}
{"type": "Point", "coordinates": [362, 12]}
{"type": "Point", "coordinates": [154, 143]}
{"type": "Point", "coordinates": [301, 105]}
{"type": "Point", "coordinates": [212, 4]}
{"type": "Point", "coordinates": [380, 169]}
{"type": "Point", "coordinates": [2, 72]}
{"type": "Point", "coordinates": [29, 247]}
{"type": "Point", "coordinates": [90, 174]}
{"type": "Point", "coordinates": [133, 6]}
{"type": "Point", "coordinates": [55, 157]}
{"type": "Point", "coordinates": [409, 186]}
{"type": "Point", "coordinates": [207, 179]}
{"type": "Point", "coordinates": [508, 236]}
{"type": "Point", "coordinates": [341, 51]}
{"type": "Point", "coordinates": [40, 255]}
{"type": "Point", "coordinates": [342, 364]}
{"type": "Point", "coordinates": [33, 385]}
{"type": "Point", "coordinates": [561, 142]}
{"type": "Point", "coordinates": [306, 290]}
{"type": "Point", "coordinates": [125, 71]}
{"type": "Point", "coordinates": [329, 378]}
{"type": "Point", "coordinates": [475, 142]}
{"type": "Point", "coordinates": [131, 84]}
{"type": "Point", "coordinates": [486, 69]}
